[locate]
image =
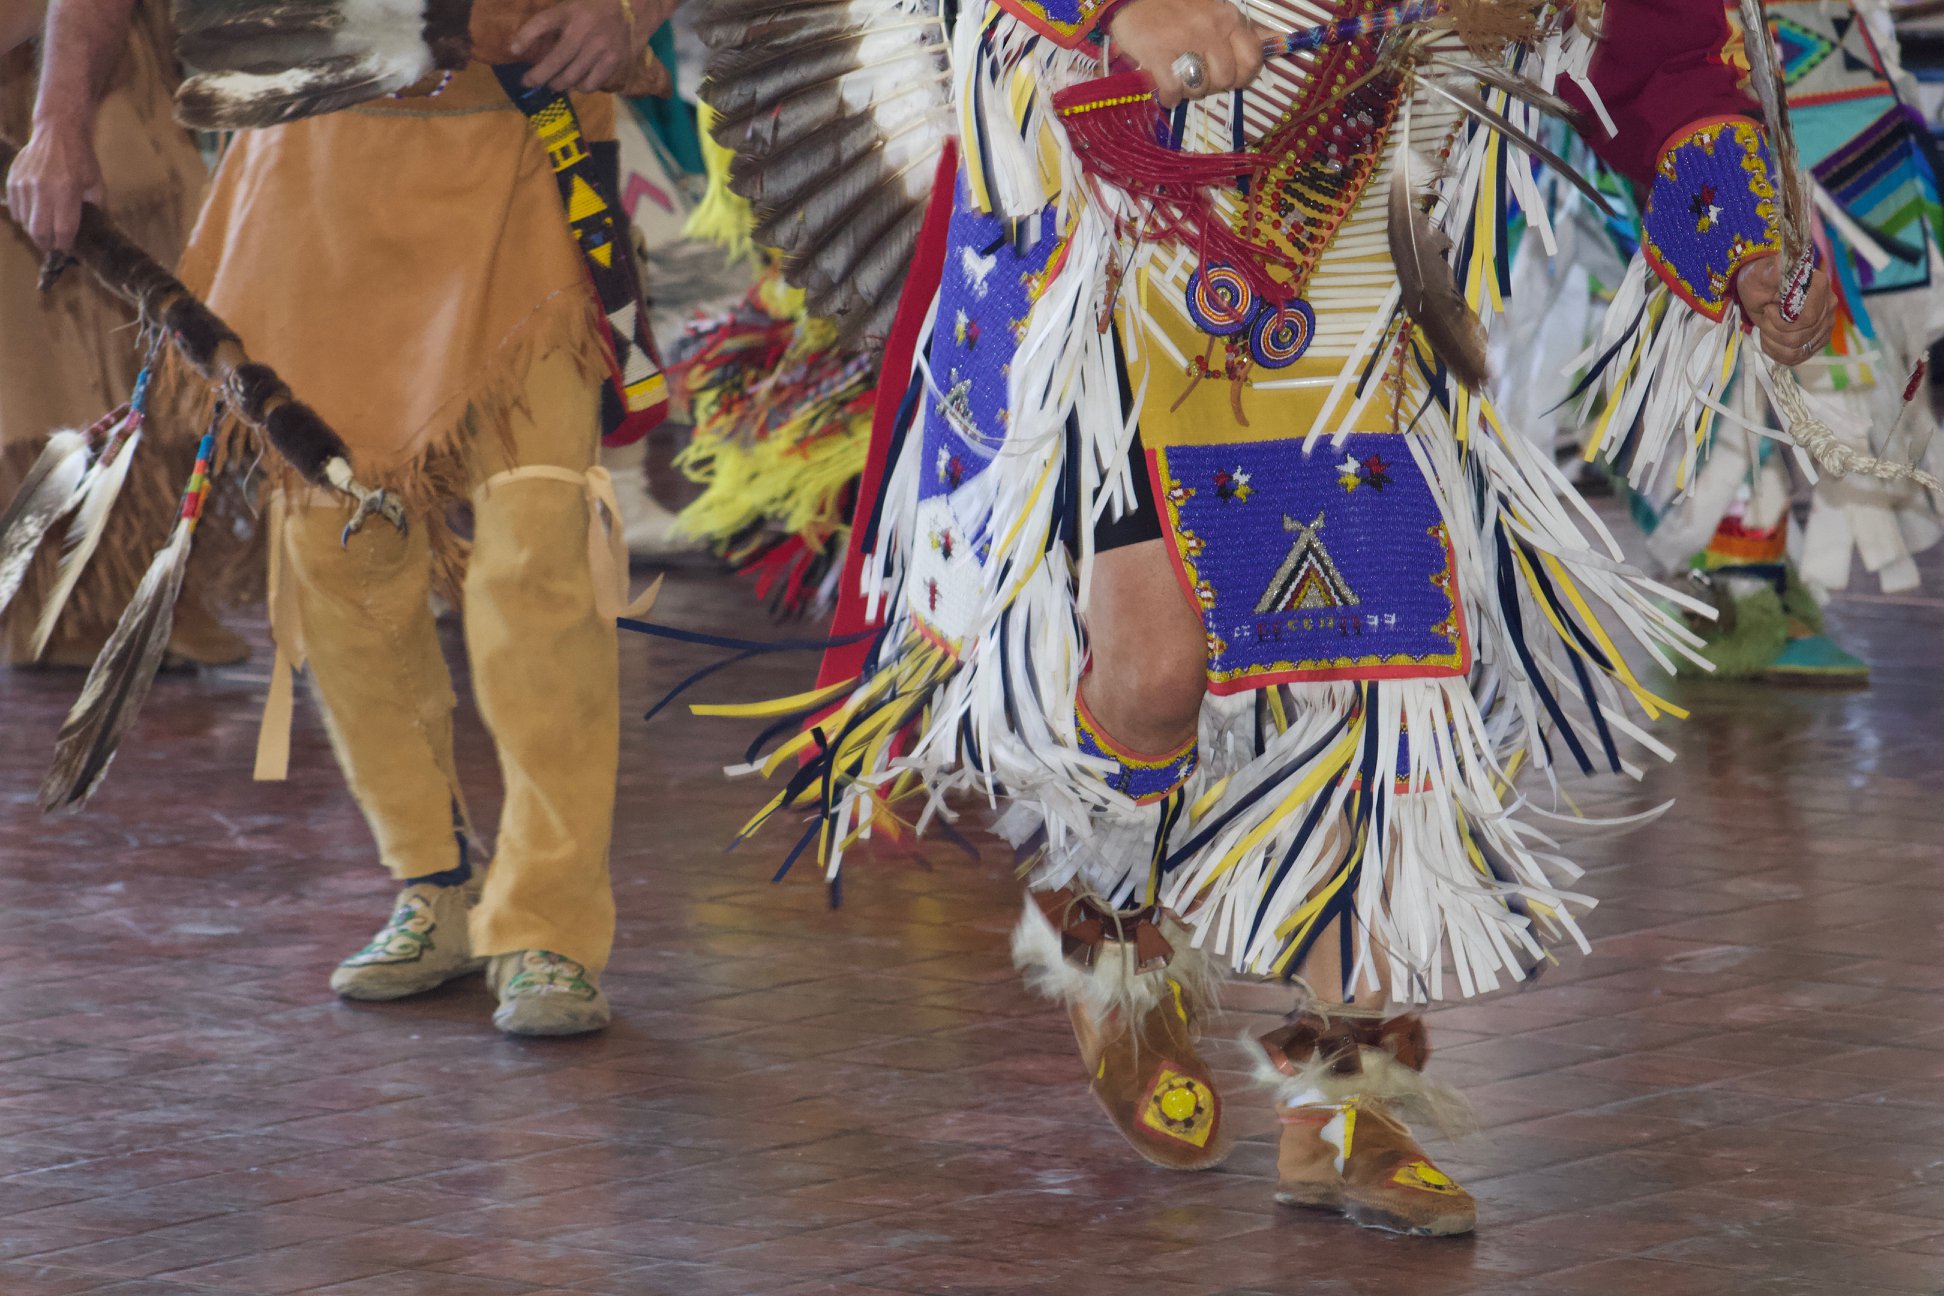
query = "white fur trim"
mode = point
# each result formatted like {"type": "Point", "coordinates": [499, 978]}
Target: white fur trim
{"type": "Point", "coordinates": [1112, 983]}
{"type": "Point", "coordinates": [1412, 1094]}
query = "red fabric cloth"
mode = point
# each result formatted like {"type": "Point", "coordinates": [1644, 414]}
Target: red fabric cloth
{"type": "Point", "coordinates": [1658, 67]}
{"type": "Point", "coordinates": [846, 661]}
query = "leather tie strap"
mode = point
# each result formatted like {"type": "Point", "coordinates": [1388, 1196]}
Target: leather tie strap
{"type": "Point", "coordinates": [1085, 925]}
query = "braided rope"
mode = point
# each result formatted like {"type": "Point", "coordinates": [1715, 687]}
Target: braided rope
{"type": "Point", "coordinates": [1830, 454]}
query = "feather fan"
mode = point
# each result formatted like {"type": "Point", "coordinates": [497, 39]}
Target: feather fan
{"type": "Point", "coordinates": [1429, 291]}
{"type": "Point", "coordinates": [836, 111]}
{"type": "Point", "coordinates": [44, 498]}
{"type": "Point", "coordinates": [263, 62]}
{"type": "Point", "coordinates": [97, 494]}
{"type": "Point", "coordinates": [259, 64]}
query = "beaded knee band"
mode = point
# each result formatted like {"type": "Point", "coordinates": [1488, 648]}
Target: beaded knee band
{"type": "Point", "coordinates": [1143, 777]}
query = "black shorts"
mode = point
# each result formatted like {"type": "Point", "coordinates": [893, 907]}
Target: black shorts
{"type": "Point", "coordinates": [1143, 521]}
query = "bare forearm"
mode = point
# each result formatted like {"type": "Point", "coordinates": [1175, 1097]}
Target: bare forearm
{"type": "Point", "coordinates": [57, 171]}
{"type": "Point", "coordinates": [82, 40]}
{"type": "Point", "coordinates": [20, 22]}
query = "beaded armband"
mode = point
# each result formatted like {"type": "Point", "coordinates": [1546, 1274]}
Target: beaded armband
{"type": "Point", "coordinates": [1064, 22]}
{"type": "Point", "coordinates": [1711, 211]}
{"type": "Point", "coordinates": [1146, 779]}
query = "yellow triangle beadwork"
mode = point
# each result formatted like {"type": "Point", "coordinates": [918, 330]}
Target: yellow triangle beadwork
{"type": "Point", "coordinates": [1426, 1177]}
{"type": "Point", "coordinates": [583, 202]}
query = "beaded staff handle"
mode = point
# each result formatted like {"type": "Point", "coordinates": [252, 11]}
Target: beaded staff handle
{"type": "Point", "coordinates": [1349, 29]}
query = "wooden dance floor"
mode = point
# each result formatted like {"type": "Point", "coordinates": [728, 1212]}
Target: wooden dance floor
{"type": "Point", "coordinates": [1740, 1091]}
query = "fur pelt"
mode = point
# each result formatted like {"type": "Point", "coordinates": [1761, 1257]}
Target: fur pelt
{"type": "Point", "coordinates": [1380, 1077]}
{"type": "Point", "coordinates": [1112, 983]}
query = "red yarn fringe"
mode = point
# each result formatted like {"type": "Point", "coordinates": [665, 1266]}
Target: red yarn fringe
{"type": "Point", "coordinates": [1119, 134]}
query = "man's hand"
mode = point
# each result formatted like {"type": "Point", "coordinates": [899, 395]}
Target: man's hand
{"type": "Point", "coordinates": [58, 170]}
{"type": "Point", "coordinates": [52, 176]}
{"type": "Point", "coordinates": [1154, 33]}
{"type": "Point", "coordinates": [592, 41]}
{"type": "Point", "coordinates": [1759, 286]}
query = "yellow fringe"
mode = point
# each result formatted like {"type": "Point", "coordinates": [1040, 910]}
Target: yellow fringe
{"type": "Point", "coordinates": [723, 217]}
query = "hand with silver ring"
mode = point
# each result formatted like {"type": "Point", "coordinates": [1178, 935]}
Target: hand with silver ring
{"type": "Point", "coordinates": [1758, 286]}
{"type": "Point", "coordinates": [1192, 70]}
{"type": "Point", "coordinates": [1192, 48]}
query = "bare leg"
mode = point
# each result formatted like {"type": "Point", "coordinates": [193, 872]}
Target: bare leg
{"type": "Point", "coordinates": [1136, 1022]}
{"type": "Point", "coordinates": [1150, 652]}
{"type": "Point", "coordinates": [1324, 967]}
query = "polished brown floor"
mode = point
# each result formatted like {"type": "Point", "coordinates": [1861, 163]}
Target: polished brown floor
{"type": "Point", "coordinates": [1740, 1091]}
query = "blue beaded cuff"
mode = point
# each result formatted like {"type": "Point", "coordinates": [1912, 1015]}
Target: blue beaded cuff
{"type": "Point", "coordinates": [1711, 211]}
{"type": "Point", "coordinates": [1146, 779]}
{"type": "Point", "coordinates": [1065, 22]}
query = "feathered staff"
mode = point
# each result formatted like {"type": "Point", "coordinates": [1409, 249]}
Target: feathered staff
{"type": "Point", "coordinates": [214, 353]}
{"type": "Point", "coordinates": [254, 393]}
{"type": "Point", "coordinates": [1765, 81]}
{"type": "Point", "coordinates": [48, 493]}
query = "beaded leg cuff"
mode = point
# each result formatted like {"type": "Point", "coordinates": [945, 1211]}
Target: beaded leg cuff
{"type": "Point", "coordinates": [1711, 211]}
{"type": "Point", "coordinates": [1142, 777]}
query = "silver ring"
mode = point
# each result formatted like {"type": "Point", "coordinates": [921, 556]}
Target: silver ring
{"type": "Point", "coordinates": [1191, 71]}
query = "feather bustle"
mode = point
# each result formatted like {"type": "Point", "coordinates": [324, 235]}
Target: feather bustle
{"type": "Point", "coordinates": [829, 109]}
{"type": "Point", "coordinates": [851, 269]}
{"type": "Point", "coordinates": [799, 174]}
{"type": "Point", "coordinates": [741, 77]}
{"type": "Point", "coordinates": [780, 28]}
{"type": "Point", "coordinates": [883, 271]}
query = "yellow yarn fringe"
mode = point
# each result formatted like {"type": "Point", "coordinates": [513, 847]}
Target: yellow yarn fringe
{"type": "Point", "coordinates": [723, 217]}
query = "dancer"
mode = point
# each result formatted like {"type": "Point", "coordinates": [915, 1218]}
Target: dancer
{"type": "Point", "coordinates": [420, 268]}
{"type": "Point", "coordinates": [1879, 221]}
{"type": "Point", "coordinates": [1733, 529]}
{"type": "Point", "coordinates": [1196, 533]}
{"type": "Point", "coordinates": [68, 355]}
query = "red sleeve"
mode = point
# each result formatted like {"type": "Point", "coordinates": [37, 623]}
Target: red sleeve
{"type": "Point", "coordinates": [1657, 68]}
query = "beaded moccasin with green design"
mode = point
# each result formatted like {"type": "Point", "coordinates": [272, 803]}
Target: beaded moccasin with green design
{"type": "Point", "coordinates": [421, 947]}
{"type": "Point", "coordinates": [543, 993]}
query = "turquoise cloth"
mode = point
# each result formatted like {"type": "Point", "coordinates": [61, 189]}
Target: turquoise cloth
{"type": "Point", "coordinates": [671, 121]}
